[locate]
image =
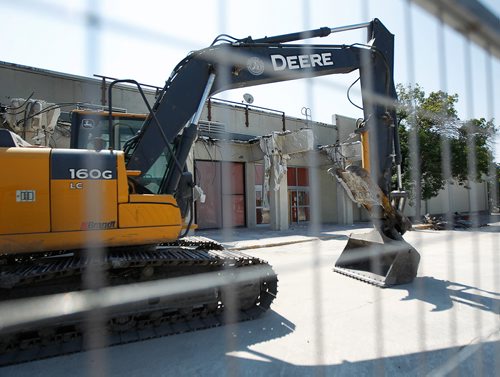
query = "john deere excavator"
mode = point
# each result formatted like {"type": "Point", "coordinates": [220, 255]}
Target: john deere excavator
{"type": "Point", "coordinates": [124, 214]}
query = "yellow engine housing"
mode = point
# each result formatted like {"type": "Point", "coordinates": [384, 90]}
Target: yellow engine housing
{"type": "Point", "coordinates": [63, 199]}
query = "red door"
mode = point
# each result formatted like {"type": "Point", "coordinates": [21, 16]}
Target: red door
{"type": "Point", "coordinates": [224, 187]}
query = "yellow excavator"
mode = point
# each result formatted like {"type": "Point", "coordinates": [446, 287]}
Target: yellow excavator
{"type": "Point", "coordinates": [129, 209]}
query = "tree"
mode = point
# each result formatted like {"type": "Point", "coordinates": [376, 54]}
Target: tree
{"type": "Point", "coordinates": [436, 145]}
{"type": "Point", "coordinates": [495, 189]}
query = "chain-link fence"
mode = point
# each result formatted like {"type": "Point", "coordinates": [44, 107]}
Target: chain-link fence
{"type": "Point", "coordinates": [346, 219]}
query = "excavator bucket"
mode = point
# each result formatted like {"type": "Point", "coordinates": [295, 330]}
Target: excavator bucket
{"type": "Point", "coordinates": [377, 259]}
{"type": "Point", "coordinates": [381, 257]}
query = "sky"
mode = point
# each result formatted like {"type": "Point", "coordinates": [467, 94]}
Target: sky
{"type": "Point", "coordinates": [144, 40]}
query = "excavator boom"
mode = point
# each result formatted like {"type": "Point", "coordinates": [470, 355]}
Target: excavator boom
{"type": "Point", "coordinates": [249, 62]}
{"type": "Point", "coordinates": [268, 60]}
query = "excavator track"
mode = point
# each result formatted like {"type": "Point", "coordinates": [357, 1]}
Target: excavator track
{"type": "Point", "coordinates": [62, 272]}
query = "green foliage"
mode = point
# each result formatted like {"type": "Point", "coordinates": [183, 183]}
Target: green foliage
{"type": "Point", "coordinates": [496, 187]}
{"type": "Point", "coordinates": [433, 135]}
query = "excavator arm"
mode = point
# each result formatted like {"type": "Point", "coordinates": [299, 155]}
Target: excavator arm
{"type": "Point", "coordinates": [248, 62]}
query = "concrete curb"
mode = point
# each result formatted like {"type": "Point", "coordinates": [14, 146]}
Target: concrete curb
{"type": "Point", "coordinates": [284, 243]}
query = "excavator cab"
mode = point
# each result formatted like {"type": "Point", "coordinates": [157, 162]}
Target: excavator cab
{"type": "Point", "coordinates": [90, 128]}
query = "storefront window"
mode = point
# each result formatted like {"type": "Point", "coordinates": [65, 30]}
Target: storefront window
{"type": "Point", "coordinates": [298, 194]}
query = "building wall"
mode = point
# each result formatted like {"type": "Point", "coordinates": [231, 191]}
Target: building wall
{"type": "Point", "coordinates": [328, 201]}
{"type": "Point", "coordinates": [20, 81]}
{"type": "Point", "coordinates": [249, 120]}
{"type": "Point", "coordinates": [455, 198]}
{"type": "Point", "coordinates": [240, 120]}
{"type": "Point", "coordinates": [55, 87]}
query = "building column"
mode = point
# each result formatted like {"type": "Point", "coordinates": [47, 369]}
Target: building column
{"type": "Point", "coordinates": [279, 205]}
{"type": "Point", "coordinates": [250, 197]}
{"type": "Point", "coordinates": [344, 206]}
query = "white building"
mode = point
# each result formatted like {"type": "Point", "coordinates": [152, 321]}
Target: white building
{"type": "Point", "coordinates": [229, 159]}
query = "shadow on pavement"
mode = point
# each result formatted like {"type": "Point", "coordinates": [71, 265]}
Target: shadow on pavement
{"type": "Point", "coordinates": [228, 351]}
{"type": "Point", "coordinates": [477, 361]}
{"type": "Point", "coordinates": [493, 228]}
{"type": "Point", "coordinates": [197, 353]}
{"type": "Point", "coordinates": [443, 294]}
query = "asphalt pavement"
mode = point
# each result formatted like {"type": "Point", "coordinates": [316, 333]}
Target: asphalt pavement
{"type": "Point", "coordinates": [446, 322]}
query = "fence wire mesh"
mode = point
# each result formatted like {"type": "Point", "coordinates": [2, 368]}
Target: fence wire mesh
{"type": "Point", "coordinates": [267, 171]}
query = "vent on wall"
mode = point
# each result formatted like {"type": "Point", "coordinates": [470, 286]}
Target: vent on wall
{"type": "Point", "coordinates": [207, 127]}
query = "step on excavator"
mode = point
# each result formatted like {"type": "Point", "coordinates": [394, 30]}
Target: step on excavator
{"type": "Point", "coordinates": [110, 222]}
